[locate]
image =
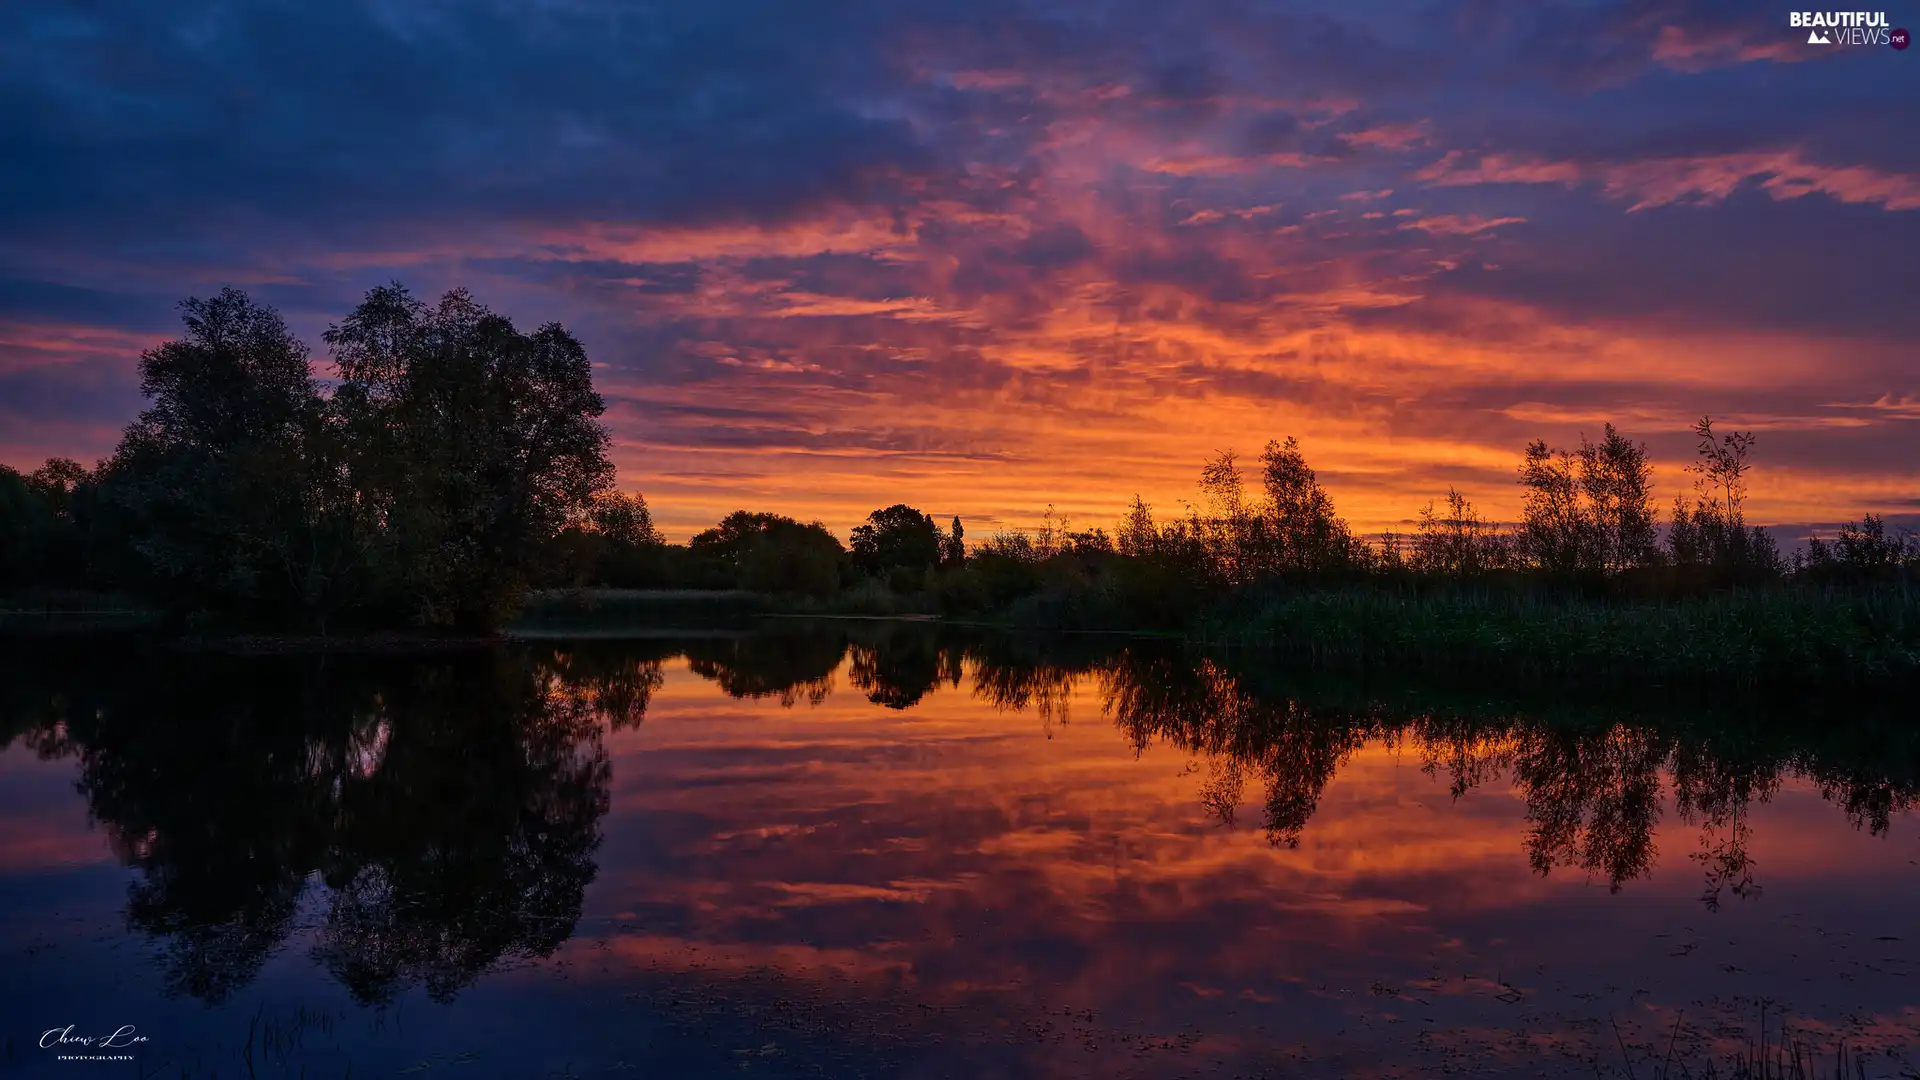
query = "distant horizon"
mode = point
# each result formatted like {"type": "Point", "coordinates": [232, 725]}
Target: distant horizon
{"type": "Point", "coordinates": [981, 260]}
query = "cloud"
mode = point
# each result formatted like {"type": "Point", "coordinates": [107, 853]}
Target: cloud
{"type": "Point", "coordinates": [1701, 180]}
{"type": "Point", "coordinates": [992, 257]}
{"type": "Point", "coordinates": [1455, 225]}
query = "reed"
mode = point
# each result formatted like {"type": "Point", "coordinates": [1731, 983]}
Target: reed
{"type": "Point", "coordinates": [1744, 636]}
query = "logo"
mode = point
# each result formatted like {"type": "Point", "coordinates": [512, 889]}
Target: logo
{"type": "Point", "coordinates": [109, 1046]}
{"type": "Point", "coordinates": [1847, 28]}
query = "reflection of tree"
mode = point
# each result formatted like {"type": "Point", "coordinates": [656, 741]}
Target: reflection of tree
{"type": "Point", "coordinates": [1713, 791]}
{"type": "Point", "coordinates": [1593, 798]}
{"type": "Point", "coordinates": [902, 664]}
{"type": "Point", "coordinates": [1200, 708]}
{"type": "Point", "coordinates": [215, 786]}
{"type": "Point", "coordinates": [616, 680]}
{"type": "Point", "coordinates": [473, 841]}
{"type": "Point", "coordinates": [1593, 784]}
{"type": "Point", "coordinates": [1003, 681]}
{"type": "Point", "coordinates": [788, 666]}
{"type": "Point", "coordinates": [453, 807]}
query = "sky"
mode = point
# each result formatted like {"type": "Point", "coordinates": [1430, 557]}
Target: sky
{"type": "Point", "coordinates": [988, 256]}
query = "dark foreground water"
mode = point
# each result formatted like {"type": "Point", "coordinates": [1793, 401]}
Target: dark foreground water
{"type": "Point", "coordinates": [871, 850]}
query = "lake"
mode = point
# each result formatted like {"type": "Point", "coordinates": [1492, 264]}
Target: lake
{"type": "Point", "coordinates": [875, 849]}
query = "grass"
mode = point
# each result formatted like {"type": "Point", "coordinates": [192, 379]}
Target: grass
{"type": "Point", "coordinates": [1749, 637]}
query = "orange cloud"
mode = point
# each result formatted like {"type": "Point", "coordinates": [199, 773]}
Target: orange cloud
{"type": "Point", "coordinates": [1705, 179]}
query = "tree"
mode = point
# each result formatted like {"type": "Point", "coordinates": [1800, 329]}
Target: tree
{"type": "Point", "coordinates": [1555, 527]}
{"type": "Point", "coordinates": [217, 479]}
{"type": "Point", "coordinates": [1235, 537]}
{"type": "Point", "coordinates": [1861, 552]}
{"type": "Point", "coordinates": [1617, 480]}
{"type": "Point", "coordinates": [896, 538]}
{"type": "Point", "coordinates": [1713, 533]}
{"type": "Point", "coordinates": [25, 521]}
{"type": "Point", "coordinates": [774, 554]}
{"type": "Point", "coordinates": [1138, 535]}
{"type": "Point", "coordinates": [954, 551]}
{"type": "Point", "coordinates": [1457, 544]}
{"type": "Point", "coordinates": [56, 481]}
{"type": "Point", "coordinates": [1721, 468]}
{"type": "Point", "coordinates": [420, 492]}
{"type": "Point", "coordinates": [1589, 511]}
{"type": "Point", "coordinates": [1308, 534]}
{"type": "Point", "coordinates": [472, 444]}
{"type": "Point", "coordinates": [624, 519]}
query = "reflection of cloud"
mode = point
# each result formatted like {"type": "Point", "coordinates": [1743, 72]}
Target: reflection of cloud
{"type": "Point", "coordinates": [953, 852]}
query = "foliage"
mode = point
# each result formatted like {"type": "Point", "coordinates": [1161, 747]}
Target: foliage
{"type": "Point", "coordinates": [470, 445]}
{"type": "Point", "coordinates": [43, 526]}
{"type": "Point", "coordinates": [1863, 552]}
{"type": "Point", "coordinates": [1587, 512]}
{"type": "Point", "coordinates": [953, 552]}
{"type": "Point", "coordinates": [1711, 538]}
{"type": "Point", "coordinates": [1458, 544]}
{"type": "Point", "coordinates": [624, 519]}
{"type": "Point", "coordinates": [423, 490]}
{"type": "Point", "coordinates": [897, 538]}
{"type": "Point", "coordinates": [221, 484]}
{"type": "Point", "coordinates": [775, 554]}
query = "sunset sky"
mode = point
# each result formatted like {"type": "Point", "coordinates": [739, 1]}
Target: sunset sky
{"type": "Point", "coordinates": [985, 256]}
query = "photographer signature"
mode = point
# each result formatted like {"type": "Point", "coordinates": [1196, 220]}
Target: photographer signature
{"type": "Point", "coordinates": [121, 1038]}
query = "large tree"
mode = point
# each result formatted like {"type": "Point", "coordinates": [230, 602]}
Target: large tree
{"type": "Point", "coordinates": [215, 483]}
{"type": "Point", "coordinates": [472, 444]}
{"type": "Point", "coordinates": [419, 493]}
{"type": "Point", "coordinates": [774, 554]}
{"type": "Point", "coordinates": [898, 537]}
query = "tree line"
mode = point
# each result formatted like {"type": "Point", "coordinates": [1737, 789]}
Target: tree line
{"type": "Point", "coordinates": [420, 486]}
{"type": "Point", "coordinates": [452, 463]}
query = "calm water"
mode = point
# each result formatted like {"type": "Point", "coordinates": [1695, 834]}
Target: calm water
{"type": "Point", "coordinates": [872, 850]}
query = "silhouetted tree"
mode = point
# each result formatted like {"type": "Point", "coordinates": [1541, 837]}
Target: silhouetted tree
{"type": "Point", "coordinates": [1863, 551]}
{"type": "Point", "coordinates": [896, 538]}
{"type": "Point", "coordinates": [1308, 533]}
{"type": "Point", "coordinates": [1617, 481]}
{"type": "Point", "coordinates": [954, 552]}
{"type": "Point", "coordinates": [1589, 511]}
{"type": "Point", "coordinates": [1713, 534]}
{"type": "Point", "coordinates": [471, 445]}
{"type": "Point", "coordinates": [422, 491]}
{"type": "Point", "coordinates": [218, 482]}
{"type": "Point", "coordinates": [624, 519]}
{"type": "Point", "coordinates": [774, 554]}
{"type": "Point", "coordinates": [1555, 529]}
{"type": "Point", "coordinates": [614, 543]}
{"type": "Point", "coordinates": [27, 525]}
{"type": "Point", "coordinates": [1457, 544]}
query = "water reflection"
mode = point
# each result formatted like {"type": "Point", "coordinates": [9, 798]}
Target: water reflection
{"type": "Point", "coordinates": [1591, 774]}
{"type": "Point", "coordinates": [423, 822]}
{"type": "Point", "coordinates": [452, 809]}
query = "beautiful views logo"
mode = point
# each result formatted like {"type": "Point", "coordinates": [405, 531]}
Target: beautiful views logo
{"type": "Point", "coordinates": [1848, 28]}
